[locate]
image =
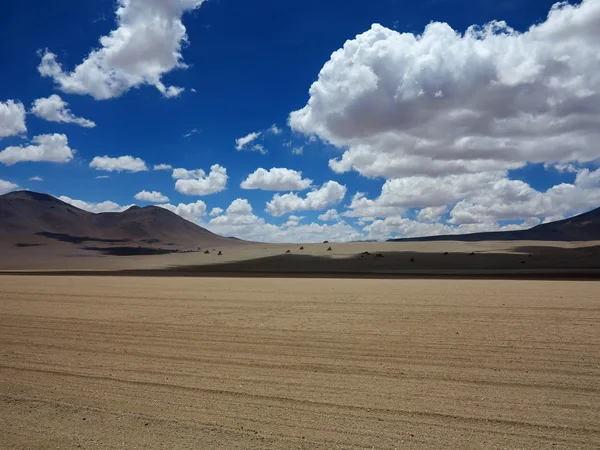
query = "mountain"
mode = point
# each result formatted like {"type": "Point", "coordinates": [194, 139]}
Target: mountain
{"type": "Point", "coordinates": [25, 213]}
{"type": "Point", "coordinates": [584, 227]}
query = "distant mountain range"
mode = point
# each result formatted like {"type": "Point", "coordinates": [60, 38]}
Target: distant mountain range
{"type": "Point", "coordinates": [24, 214]}
{"type": "Point", "coordinates": [584, 227]}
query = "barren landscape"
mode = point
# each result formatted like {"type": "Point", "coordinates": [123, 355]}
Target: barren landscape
{"type": "Point", "coordinates": [122, 362]}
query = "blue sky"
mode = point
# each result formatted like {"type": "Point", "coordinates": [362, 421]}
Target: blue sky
{"type": "Point", "coordinates": [418, 126]}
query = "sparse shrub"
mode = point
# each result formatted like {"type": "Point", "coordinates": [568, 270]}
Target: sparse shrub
{"type": "Point", "coordinates": [329, 249]}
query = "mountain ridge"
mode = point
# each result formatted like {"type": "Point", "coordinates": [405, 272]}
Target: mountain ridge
{"type": "Point", "coordinates": [27, 213]}
{"type": "Point", "coordinates": [582, 227]}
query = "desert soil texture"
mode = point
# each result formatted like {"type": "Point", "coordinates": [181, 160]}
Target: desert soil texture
{"type": "Point", "coordinates": [219, 363]}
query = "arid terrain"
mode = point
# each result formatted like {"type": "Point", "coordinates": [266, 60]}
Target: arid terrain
{"type": "Point", "coordinates": [136, 363]}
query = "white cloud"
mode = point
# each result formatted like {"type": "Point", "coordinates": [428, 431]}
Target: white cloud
{"type": "Point", "coordinates": [152, 197]}
{"type": "Point", "coordinates": [276, 179]}
{"type": "Point", "coordinates": [562, 167]}
{"type": "Point", "coordinates": [509, 199]}
{"type": "Point", "coordinates": [7, 186]}
{"type": "Point", "coordinates": [102, 177]}
{"type": "Point", "coordinates": [239, 220]}
{"type": "Point", "coordinates": [184, 174]}
{"type": "Point", "coordinates": [12, 118]}
{"type": "Point", "coordinates": [432, 214]}
{"type": "Point", "coordinates": [329, 194]}
{"type": "Point", "coordinates": [480, 199]}
{"type": "Point", "coordinates": [293, 221]}
{"type": "Point", "coordinates": [122, 163]}
{"type": "Point", "coordinates": [55, 109]}
{"type": "Point", "coordinates": [162, 167]}
{"type": "Point", "coordinates": [198, 183]}
{"type": "Point", "coordinates": [216, 212]}
{"type": "Point", "coordinates": [44, 148]}
{"type": "Point", "coordinates": [242, 143]}
{"type": "Point", "coordinates": [402, 227]}
{"type": "Point", "coordinates": [145, 46]}
{"type": "Point", "coordinates": [330, 216]}
{"type": "Point", "coordinates": [190, 211]}
{"type": "Point", "coordinates": [36, 178]}
{"type": "Point", "coordinates": [422, 192]}
{"type": "Point", "coordinates": [447, 103]}
{"type": "Point", "coordinates": [191, 133]}
{"type": "Point", "coordinates": [298, 151]}
{"type": "Point", "coordinates": [259, 148]}
{"type": "Point", "coordinates": [106, 206]}
{"type": "Point", "coordinates": [274, 129]}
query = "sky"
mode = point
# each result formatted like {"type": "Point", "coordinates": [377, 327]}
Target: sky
{"type": "Point", "coordinates": [305, 121]}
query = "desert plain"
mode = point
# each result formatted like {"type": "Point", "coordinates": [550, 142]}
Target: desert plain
{"type": "Point", "coordinates": [120, 362]}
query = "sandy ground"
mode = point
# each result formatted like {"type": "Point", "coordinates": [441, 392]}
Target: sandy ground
{"type": "Point", "coordinates": [514, 258]}
{"type": "Point", "coordinates": [204, 363]}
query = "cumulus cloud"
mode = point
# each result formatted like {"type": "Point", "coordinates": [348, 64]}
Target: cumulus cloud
{"type": "Point", "coordinates": [239, 220]}
{"type": "Point", "coordinates": [121, 164]}
{"type": "Point", "coordinates": [298, 151]}
{"type": "Point", "coordinates": [196, 182]}
{"type": "Point", "coordinates": [421, 192]}
{"type": "Point", "coordinates": [293, 221]}
{"type": "Point", "coordinates": [243, 142]}
{"type": "Point", "coordinates": [509, 199]}
{"type": "Point", "coordinates": [329, 216]}
{"type": "Point", "coordinates": [151, 197]}
{"type": "Point", "coordinates": [481, 198]}
{"type": "Point", "coordinates": [432, 214]}
{"type": "Point", "coordinates": [12, 118]}
{"type": "Point", "coordinates": [36, 178]}
{"type": "Point", "coordinates": [329, 194]}
{"type": "Point", "coordinates": [55, 109]}
{"type": "Point", "coordinates": [276, 179]}
{"type": "Point", "coordinates": [145, 46]}
{"type": "Point", "coordinates": [106, 206]}
{"type": "Point", "coordinates": [189, 211]}
{"type": "Point", "coordinates": [44, 148]}
{"type": "Point", "coordinates": [7, 186]}
{"type": "Point", "coordinates": [403, 227]}
{"type": "Point", "coordinates": [443, 102]}
{"type": "Point", "coordinates": [162, 167]}
{"type": "Point", "coordinates": [216, 212]}
{"type": "Point", "coordinates": [185, 174]}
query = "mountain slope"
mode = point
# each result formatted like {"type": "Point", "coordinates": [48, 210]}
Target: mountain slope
{"type": "Point", "coordinates": [25, 213]}
{"type": "Point", "coordinates": [584, 227]}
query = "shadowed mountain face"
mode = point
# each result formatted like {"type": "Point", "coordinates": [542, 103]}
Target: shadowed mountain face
{"type": "Point", "coordinates": [585, 227]}
{"type": "Point", "coordinates": [25, 213]}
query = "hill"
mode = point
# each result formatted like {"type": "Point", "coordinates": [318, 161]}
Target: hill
{"type": "Point", "coordinates": [584, 227]}
{"type": "Point", "coordinates": [26, 214]}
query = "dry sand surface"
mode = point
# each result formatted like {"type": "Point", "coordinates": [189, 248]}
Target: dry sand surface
{"type": "Point", "coordinates": [204, 363]}
{"type": "Point", "coordinates": [515, 258]}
